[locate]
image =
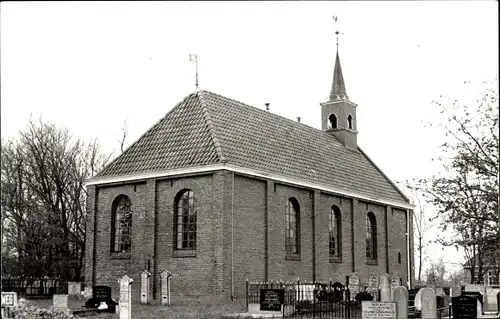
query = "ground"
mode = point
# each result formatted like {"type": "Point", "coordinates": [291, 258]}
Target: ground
{"type": "Point", "coordinates": [186, 308]}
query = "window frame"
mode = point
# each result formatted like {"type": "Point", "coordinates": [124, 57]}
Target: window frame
{"type": "Point", "coordinates": [185, 216]}
{"type": "Point", "coordinates": [121, 200]}
{"type": "Point", "coordinates": [292, 203]}
{"type": "Point", "coordinates": [335, 229]}
{"type": "Point", "coordinates": [371, 239]}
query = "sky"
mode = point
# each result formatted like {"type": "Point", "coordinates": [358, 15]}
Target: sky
{"type": "Point", "coordinates": [91, 66]}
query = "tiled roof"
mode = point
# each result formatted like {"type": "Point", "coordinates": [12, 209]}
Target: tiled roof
{"type": "Point", "coordinates": [207, 128]}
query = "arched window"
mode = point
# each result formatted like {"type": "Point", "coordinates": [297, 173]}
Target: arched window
{"type": "Point", "coordinates": [185, 220]}
{"type": "Point", "coordinates": [332, 121]}
{"type": "Point", "coordinates": [335, 227]}
{"type": "Point", "coordinates": [371, 237]}
{"type": "Point", "coordinates": [121, 225]}
{"type": "Point", "coordinates": [292, 227]}
{"type": "Point", "coordinates": [349, 121]}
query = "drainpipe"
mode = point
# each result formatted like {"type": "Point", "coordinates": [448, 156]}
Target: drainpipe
{"type": "Point", "coordinates": [232, 239]}
{"type": "Point", "coordinates": [409, 261]}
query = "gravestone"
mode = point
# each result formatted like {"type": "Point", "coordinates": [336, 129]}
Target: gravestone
{"type": "Point", "coordinates": [101, 294]}
{"type": "Point", "coordinates": [395, 283]}
{"type": "Point", "coordinates": [429, 309]}
{"type": "Point", "coordinates": [373, 283]}
{"type": "Point", "coordinates": [125, 297]}
{"type": "Point", "coordinates": [400, 297]}
{"type": "Point", "coordinates": [490, 300]}
{"type": "Point", "coordinates": [474, 294]}
{"type": "Point", "coordinates": [439, 291]}
{"type": "Point", "coordinates": [271, 299]}
{"type": "Point", "coordinates": [378, 310]}
{"type": "Point", "coordinates": [456, 290]}
{"type": "Point", "coordinates": [74, 288]}
{"type": "Point", "coordinates": [385, 288]}
{"type": "Point", "coordinates": [464, 307]}
{"type": "Point", "coordinates": [353, 285]}
{"type": "Point", "coordinates": [87, 292]}
{"type": "Point", "coordinates": [145, 281]}
{"type": "Point", "coordinates": [165, 287]}
{"type": "Point", "coordinates": [60, 303]}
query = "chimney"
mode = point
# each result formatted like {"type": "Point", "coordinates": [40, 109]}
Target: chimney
{"type": "Point", "coordinates": [298, 119]}
{"type": "Point", "coordinates": [267, 107]}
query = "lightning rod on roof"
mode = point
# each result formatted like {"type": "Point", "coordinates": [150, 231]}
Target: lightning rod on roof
{"type": "Point", "coordinates": [194, 58]}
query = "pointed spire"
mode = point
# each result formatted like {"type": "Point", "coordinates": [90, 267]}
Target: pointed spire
{"type": "Point", "coordinates": [338, 86]}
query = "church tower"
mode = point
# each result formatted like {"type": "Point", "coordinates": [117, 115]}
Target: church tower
{"type": "Point", "coordinates": [338, 114]}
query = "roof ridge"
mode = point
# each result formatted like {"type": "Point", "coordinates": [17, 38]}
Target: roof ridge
{"type": "Point", "coordinates": [211, 129]}
{"type": "Point", "coordinates": [141, 136]}
{"type": "Point", "coordinates": [294, 122]}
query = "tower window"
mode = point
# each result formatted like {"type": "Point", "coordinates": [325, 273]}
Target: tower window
{"type": "Point", "coordinates": [399, 257]}
{"type": "Point", "coordinates": [332, 120]}
{"type": "Point", "coordinates": [349, 121]}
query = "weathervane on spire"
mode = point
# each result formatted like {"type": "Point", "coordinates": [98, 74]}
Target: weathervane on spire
{"type": "Point", "coordinates": [336, 28]}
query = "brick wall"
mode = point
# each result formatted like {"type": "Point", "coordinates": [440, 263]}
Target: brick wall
{"type": "Point", "coordinates": [255, 202]}
{"type": "Point", "coordinates": [397, 243]}
{"type": "Point", "coordinates": [334, 269]}
{"type": "Point", "coordinates": [361, 266]}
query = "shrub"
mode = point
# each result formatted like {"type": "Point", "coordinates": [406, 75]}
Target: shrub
{"type": "Point", "coordinates": [27, 310]}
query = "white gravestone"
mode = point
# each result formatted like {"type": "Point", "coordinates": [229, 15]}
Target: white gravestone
{"type": "Point", "coordinates": [385, 288]}
{"type": "Point", "coordinates": [353, 285]}
{"type": "Point", "coordinates": [74, 288]}
{"type": "Point", "coordinates": [378, 310]}
{"type": "Point", "coordinates": [400, 297]}
{"type": "Point", "coordinates": [491, 302]}
{"type": "Point", "coordinates": [373, 283]}
{"type": "Point", "coordinates": [125, 297]}
{"type": "Point", "coordinates": [165, 287]}
{"type": "Point", "coordinates": [394, 284]}
{"type": "Point", "coordinates": [87, 292]}
{"type": "Point", "coordinates": [60, 303]}
{"type": "Point", "coordinates": [429, 304]}
{"type": "Point", "coordinates": [145, 281]}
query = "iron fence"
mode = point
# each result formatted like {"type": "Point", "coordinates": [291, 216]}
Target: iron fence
{"type": "Point", "coordinates": [304, 299]}
{"type": "Point", "coordinates": [35, 287]}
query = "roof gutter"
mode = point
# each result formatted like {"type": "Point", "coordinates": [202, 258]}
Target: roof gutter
{"type": "Point", "coordinates": [251, 172]}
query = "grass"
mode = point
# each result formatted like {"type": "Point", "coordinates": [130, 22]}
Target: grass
{"type": "Point", "coordinates": [181, 308]}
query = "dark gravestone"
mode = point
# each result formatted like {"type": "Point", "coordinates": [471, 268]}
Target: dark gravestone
{"type": "Point", "coordinates": [101, 294]}
{"type": "Point", "coordinates": [474, 294]}
{"type": "Point", "coordinates": [271, 299]}
{"type": "Point", "coordinates": [464, 307]}
{"type": "Point", "coordinates": [439, 302]}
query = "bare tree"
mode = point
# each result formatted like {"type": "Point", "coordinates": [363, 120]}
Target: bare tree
{"type": "Point", "coordinates": [43, 198]}
{"type": "Point", "coordinates": [466, 194]}
{"type": "Point", "coordinates": [420, 221]}
{"type": "Point", "coordinates": [124, 136]}
{"type": "Point", "coordinates": [435, 273]}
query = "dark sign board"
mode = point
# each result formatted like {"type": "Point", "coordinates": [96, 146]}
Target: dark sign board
{"type": "Point", "coordinates": [271, 299]}
{"type": "Point", "coordinates": [474, 294]}
{"type": "Point", "coordinates": [464, 307]}
{"type": "Point", "coordinates": [102, 292]}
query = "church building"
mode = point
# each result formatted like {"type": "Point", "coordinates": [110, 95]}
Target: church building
{"type": "Point", "coordinates": [218, 192]}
